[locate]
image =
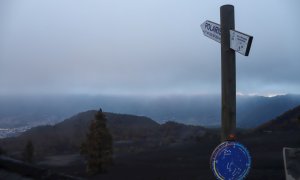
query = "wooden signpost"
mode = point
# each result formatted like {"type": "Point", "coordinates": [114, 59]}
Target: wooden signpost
{"type": "Point", "coordinates": [231, 41]}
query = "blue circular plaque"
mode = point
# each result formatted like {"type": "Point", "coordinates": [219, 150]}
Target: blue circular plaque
{"type": "Point", "coordinates": [230, 161]}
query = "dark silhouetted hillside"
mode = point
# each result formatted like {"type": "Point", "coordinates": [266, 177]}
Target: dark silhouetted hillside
{"type": "Point", "coordinates": [288, 121]}
{"type": "Point", "coordinates": [147, 150]}
{"type": "Point", "coordinates": [67, 136]}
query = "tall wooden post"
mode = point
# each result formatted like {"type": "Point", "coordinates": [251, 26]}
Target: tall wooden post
{"type": "Point", "coordinates": [228, 73]}
{"type": "Point", "coordinates": [231, 41]}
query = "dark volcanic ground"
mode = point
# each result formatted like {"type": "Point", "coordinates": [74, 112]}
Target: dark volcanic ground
{"type": "Point", "coordinates": [177, 162]}
{"type": "Point", "coordinates": [190, 161]}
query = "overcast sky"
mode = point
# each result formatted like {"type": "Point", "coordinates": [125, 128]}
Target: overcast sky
{"type": "Point", "coordinates": [143, 47]}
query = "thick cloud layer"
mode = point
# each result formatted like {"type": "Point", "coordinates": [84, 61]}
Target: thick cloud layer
{"type": "Point", "coordinates": [143, 47]}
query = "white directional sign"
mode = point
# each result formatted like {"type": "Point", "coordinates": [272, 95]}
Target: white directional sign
{"type": "Point", "coordinates": [212, 30]}
{"type": "Point", "coordinates": [240, 42]}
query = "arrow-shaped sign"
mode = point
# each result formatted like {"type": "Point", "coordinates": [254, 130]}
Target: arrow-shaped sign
{"type": "Point", "coordinates": [212, 30]}
{"type": "Point", "coordinates": [239, 42]}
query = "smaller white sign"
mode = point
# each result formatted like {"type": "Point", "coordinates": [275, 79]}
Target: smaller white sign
{"type": "Point", "coordinates": [240, 42]}
{"type": "Point", "coordinates": [211, 30]}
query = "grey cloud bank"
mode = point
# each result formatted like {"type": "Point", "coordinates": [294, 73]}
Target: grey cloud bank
{"type": "Point", "coordinates": [142, 47]}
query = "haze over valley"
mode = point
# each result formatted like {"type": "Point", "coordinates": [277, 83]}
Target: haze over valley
{"type": "Point", "coordinates": [203, 110]}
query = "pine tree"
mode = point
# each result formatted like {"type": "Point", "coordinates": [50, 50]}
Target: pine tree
{"type": "Point", "coordinates": [97, 147]}
{"type": "Point", "coordinates": [28, 152]}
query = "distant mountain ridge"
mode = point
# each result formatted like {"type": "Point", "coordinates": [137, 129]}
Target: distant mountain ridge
{"type": "Point", "coordinates": [256, 111]}
{"type": "Point", "coordinates": [288, 121]}
{"type": "Point", "coordinates": [203, 110]}
{"type": "Point", "coordinates": [68, 135]}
